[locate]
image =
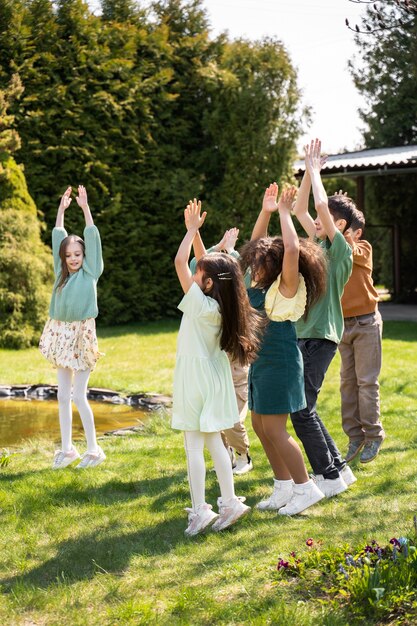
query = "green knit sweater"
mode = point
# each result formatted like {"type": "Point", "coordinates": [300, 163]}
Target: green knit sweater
{"type": "Point", "coordinates": [77, 300]}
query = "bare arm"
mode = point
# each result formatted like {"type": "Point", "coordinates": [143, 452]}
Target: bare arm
{"type": "Point", "coordinates": [199, 247]}
{"type": "Point", "coordinates": [301, 206]}
{"type": "Point", "coordinates": [289, 276]}
{"type": "Point", "coordinates": [82, 202]}
{"type": "Point", "coordinates": [269, 206]}
{"type": "Point", "coordinates": [313, 164]}
{"type": "Point", "coordinates": [63, 206]}
{"type": "Point", "coordinates": [193, 221]}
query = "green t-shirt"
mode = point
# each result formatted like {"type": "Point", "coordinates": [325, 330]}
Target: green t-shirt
{"type": "Point", "coordinates": [325, 320]}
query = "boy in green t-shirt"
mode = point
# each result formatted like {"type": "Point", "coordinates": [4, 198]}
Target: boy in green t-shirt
{"type": "Point", "coordinates": [319, 335]}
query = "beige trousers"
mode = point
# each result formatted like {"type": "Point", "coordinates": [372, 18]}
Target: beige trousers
{"type": "Point", "coordinates": [237, 437]}
{"type": "Point", "coordinates": [360, 350]}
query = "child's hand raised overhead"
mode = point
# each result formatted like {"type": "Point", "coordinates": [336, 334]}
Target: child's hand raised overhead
{"type": "Point", "coordinates": [81, 199]}
{"type": "Point", "coordinates": [287, 198]}
{"type": "Point", "coordinates": [313, 158]}
{"type": "Point", "coordinates": [229, 239]}
{"type": "Point", "coordinates": [269, 204]}
{"type": "Point", "coordinates": [65, 200]}
{"type": "Point", "coordinates": [192, 215]}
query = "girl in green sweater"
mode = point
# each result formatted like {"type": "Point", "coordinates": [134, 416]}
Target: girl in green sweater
{"type": "Point", "coordinates": [69, 339]}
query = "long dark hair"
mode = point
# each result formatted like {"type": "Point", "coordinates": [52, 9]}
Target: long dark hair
{"type": "Point", "coordinates": [264, 256]}
{"type": "Point", "coordinates": [62, 252]}
{"type": "Point", "coordinates": [242, 325]}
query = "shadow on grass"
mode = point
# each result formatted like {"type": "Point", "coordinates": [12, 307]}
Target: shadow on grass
{"type": "Point", "coordinates": [102, 550]}
{"type": "Point", "coordinates": [107, 494]}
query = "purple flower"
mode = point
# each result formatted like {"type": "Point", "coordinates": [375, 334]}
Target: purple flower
{"type": "Point", "coordinates": [293, 554]}
{"type": "Point", "coordinates": [395, 542]}
{"type": "Point", "coordinates": [309, 542]}
{"type": "Point", "coordinates": [282, 564]}
{"type": "Point", "coordinates": [343, 571]}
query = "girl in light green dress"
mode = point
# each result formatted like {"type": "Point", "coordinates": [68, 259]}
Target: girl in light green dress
{"type": "Point", "coordinates": [217, 318]}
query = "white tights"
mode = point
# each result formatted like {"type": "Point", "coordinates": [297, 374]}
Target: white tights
{"type": "Point", "coordinates": [65, 379]}
{"type": "Point", "coordinates": [194, 448]}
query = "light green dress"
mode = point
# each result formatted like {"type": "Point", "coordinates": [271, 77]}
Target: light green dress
{"type": "Point", "coordinates": [204, 396]}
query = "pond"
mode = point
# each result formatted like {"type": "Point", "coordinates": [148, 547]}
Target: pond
{"type": "Point", "coordinates": [22, 419]}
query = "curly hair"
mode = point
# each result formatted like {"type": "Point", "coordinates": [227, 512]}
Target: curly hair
{"type": "Point", "coordinates": [62, 252]}
{"type": "Point", "coordinates": [242, 325]}
{"type": "Point", "coordinates": [264, 257]}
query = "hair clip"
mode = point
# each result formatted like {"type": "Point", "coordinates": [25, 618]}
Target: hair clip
{"type": "Point", "coordinates": [224, 276]}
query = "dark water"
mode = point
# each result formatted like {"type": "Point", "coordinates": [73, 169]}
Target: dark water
{"type": "Point", "coordinates": [25, 419]}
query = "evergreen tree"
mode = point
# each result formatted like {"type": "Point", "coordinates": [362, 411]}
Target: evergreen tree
{"type": "Point", "coordinates": [387, 78]}
{"type": "Point", "coordinates": [25, 264]}
{"type": "Point", "coordinates": [147, 111]}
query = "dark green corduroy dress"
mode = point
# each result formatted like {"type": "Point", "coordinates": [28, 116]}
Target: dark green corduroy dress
{"type": "Point", "coordinates": [276, 378]}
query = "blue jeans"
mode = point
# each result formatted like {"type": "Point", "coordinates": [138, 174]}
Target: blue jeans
{"type": "Point", "coordinates": [320, 448]}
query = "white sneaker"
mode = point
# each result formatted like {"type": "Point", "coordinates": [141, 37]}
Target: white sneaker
{"type": "Point", "coordinates": [281, 495]}
{"type": "Point", "coordinates": [230, 512]}
{"type": "Point", "coordinates": [348, 476]}
{"type": "Point", "coordinates": [63, 459]}
{"type": "Point", "coordinates": [89, 459]}
{"type": "Point", "coordinates": [243, 464]}
{"type": "Point", "coordinates": [304, 495]}
{"type": "Point", "coordinates": [200, 519]}
{"type": "Point", "coordinates": [330, 486]}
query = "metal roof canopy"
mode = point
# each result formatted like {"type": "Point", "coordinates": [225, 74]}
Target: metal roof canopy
{"type": "Point", "coordinates": [375, 162]}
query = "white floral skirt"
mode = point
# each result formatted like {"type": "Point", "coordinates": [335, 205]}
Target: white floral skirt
{"type": "Point", "coordinates": [71, 345]}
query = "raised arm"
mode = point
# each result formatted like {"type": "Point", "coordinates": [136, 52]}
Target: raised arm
{"type": "Point", "coordinates": [289, 276]}
{"type": "Point", "coordinates": [301, 206]}
{"type": "Point", "coordinates": [199, 247]}
{"type": "Point", "coordinates": [313, 164]}
{"type": "Point", "coordinates": [82, 202]}
{"type": "Point", "coordinates": [193, 221]}
{"type": "Point", "coordinates": [269, 206]}
{"type": "Point", "coordinates": [63, 206]}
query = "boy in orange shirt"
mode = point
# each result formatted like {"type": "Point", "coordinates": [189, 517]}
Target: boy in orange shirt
{"type": "Point", "coordinates": [360, 350]}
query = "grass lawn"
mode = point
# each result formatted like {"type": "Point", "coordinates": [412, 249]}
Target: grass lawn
{"type": "Point", "coordinates": [107, 547]}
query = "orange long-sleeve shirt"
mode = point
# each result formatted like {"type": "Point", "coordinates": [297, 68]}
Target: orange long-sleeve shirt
{"type": "Point", "coordinates": [360, 296]}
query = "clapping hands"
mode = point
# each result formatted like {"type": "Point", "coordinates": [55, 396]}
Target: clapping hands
{"type": "Point", "coordinates": [228, 240]}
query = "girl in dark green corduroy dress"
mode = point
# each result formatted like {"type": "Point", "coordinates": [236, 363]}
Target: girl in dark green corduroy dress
{"type": "Point", "coordinates": [287, 277]}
